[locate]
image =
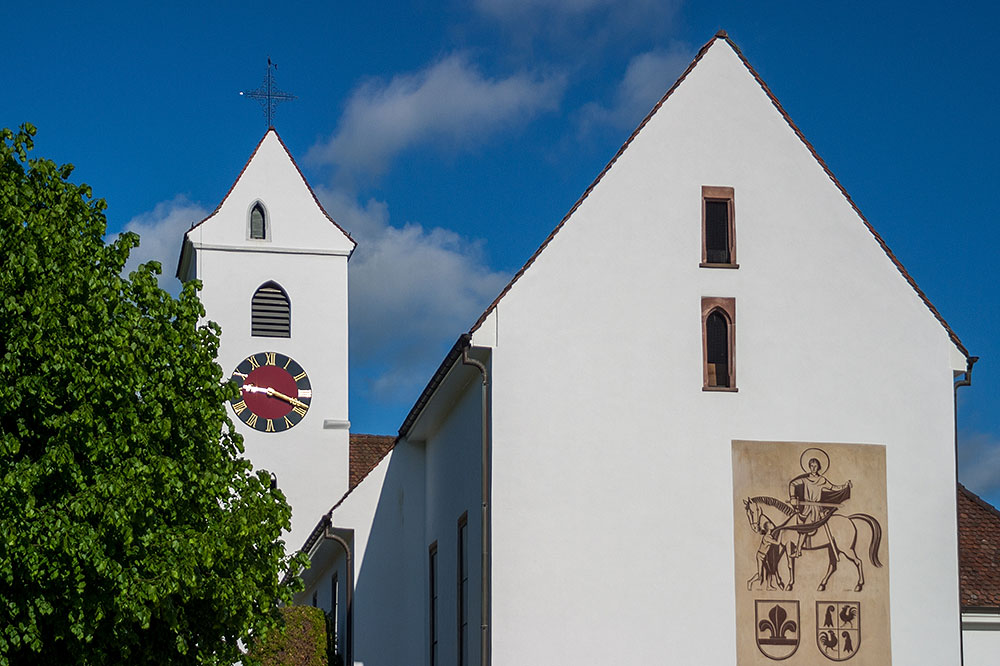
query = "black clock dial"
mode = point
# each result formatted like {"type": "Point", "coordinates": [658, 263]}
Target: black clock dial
{"type": "Point", "coordinates": [275, 392]}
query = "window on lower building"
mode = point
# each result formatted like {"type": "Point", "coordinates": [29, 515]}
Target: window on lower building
{"type": "Point", "coordinates": [718, 228]}
{"type": "Point", "coordinates": [463, 590]}
{"type": "Point", "coordinates": [718, 320]}
{"type": "Point", "coordinates": [432, 596]}
{"type": "Point", "coordinates": [334, 619]}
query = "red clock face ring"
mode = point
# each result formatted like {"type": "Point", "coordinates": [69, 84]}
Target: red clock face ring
{"type": "Point", "coordinates": [274, 392]}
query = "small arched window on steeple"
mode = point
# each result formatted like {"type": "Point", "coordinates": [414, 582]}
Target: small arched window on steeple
{"type": "Point", "coordinates": [270, 312]}
{"type": "Point", "coordinates": [258, 222]}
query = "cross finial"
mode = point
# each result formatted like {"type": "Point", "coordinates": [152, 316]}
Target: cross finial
{"type": "Point", "coordinates": [268, 94]}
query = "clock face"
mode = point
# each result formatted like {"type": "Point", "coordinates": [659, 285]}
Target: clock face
{"type": "Point", "coordinates": [274, 392]}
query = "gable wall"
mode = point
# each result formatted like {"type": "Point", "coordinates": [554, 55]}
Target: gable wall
{"type": "Point", "coordinates": [612, 477]}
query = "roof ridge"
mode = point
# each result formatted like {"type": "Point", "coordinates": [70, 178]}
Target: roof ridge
{"type": "Point", "coordinates": [723, 35]}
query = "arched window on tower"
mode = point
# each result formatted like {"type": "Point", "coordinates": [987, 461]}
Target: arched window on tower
{"type": "Point", "coordinates": [258, 222]}
{"type": "Point", "coordinates": [270, 312]}
{"type": "Point", "coordinates": [718, 342]}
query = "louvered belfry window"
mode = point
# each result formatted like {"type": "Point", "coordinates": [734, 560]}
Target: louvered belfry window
{"type": "Point", "coordinates": [270, 312]}
{"type": "Point", "coordinates": [258, 228]}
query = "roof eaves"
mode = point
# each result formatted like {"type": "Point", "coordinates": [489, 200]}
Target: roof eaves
{"type": "Point", "coordinates": [450, 358]}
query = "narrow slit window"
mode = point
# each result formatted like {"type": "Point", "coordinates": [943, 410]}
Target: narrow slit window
{"type": "Point", "coordinates": [718, 342]}
{"type": "Point", "coordinates": [432, 611]}
{"type": "Point", "coordinates": [718, 228]}
{"type": "Point", "coordinates": [258, 222]}
{"type": "Point", "coordinates": [334, 618]}
{"type": "Point", "coordinates": [270, 312]}
{"type": "Point", "coordinates": [463, 590]}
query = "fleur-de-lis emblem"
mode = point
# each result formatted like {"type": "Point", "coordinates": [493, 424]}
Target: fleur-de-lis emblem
{"type": "Point", "coordinates": [777, 623]}
{"type": "Point", "coordinates": [777, 628]}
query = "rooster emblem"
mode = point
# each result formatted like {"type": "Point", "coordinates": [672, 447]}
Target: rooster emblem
{"type": "Point", "coordinates": [838, 634]}
{"type": "Point", "coordinates": [828, 641]}
{"type": "Point", "coordinates": [847, 615]}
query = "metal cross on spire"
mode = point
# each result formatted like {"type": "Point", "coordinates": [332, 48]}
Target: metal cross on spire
{"type": "Point", "coordinates": [268, 94]}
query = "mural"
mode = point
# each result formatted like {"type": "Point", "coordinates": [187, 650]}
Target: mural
{"type": "Point", "coordinates": [811, 553]}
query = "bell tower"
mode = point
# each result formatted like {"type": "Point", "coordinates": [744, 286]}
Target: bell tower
{"type": "Point", "coordinates": [273, 265]}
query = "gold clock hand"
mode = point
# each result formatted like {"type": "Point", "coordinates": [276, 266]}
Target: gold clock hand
{"type": "Point", "coordinates": [278, 394]}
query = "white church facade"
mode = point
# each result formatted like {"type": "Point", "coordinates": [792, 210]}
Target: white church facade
{"type": "Point", "coordinates": [710, 421]}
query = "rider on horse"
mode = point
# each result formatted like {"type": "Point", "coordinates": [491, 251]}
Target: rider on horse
{"type": "Point", "coordinates": [815, 499]}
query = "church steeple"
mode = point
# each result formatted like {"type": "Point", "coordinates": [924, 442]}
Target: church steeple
{"type": "Point", "coordinates": [273, 265]}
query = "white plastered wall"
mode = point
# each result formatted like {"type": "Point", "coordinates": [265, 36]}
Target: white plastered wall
{"type": "Point", "coordinates": [980, 639]}
{"type": "Point", "coordinates": [414, 498]}
{"type": "Point", "coordinates": [612, 476]}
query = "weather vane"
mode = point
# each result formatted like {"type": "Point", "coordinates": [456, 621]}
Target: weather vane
{"type": "Point", "coordinates": [268, 94]}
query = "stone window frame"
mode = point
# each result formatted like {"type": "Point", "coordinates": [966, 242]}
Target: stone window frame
{"type": "Point", "coordinates": [267, 222]}
{"type": "Point", "coordinates": [728, 195]}
{"type": "Point", "coordinates": [727, 307]}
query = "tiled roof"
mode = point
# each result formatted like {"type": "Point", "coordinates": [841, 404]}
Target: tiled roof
{"type": "Point", "coordinates": [366, 451]}
{"type": "Point", "coordinates": [978, 551]}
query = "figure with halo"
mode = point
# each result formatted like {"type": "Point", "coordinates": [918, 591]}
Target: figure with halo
{"type": "Point", "coordinates": [809, 522]}
{"type": "Point", "coordinates": [814, 497]}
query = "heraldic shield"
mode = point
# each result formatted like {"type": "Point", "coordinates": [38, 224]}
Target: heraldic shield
{"type": "Point", "coordinates": [838, 629]}
{"type": "Point", "coordinates": [777, 628]}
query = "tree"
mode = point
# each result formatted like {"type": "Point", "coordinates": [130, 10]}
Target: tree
{"type": "Point", "coordinates": [131, 529]}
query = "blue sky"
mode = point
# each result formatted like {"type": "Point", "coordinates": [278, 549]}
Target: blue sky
{"type": "Point", "coordinates": [450, 137]}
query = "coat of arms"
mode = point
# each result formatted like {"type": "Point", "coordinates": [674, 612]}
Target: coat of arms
{"type": "Point", "coordinates": [778, 628]}
{"type": "Point", "coordinates": [838, 629]}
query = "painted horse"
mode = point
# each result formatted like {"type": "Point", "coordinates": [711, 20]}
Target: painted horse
{"type": "Point", "coordinates": [837, 535]}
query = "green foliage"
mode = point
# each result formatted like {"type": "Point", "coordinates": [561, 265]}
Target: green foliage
{"type": "Point", "coordinates": [301, 642]}
{"type": "Point", "coordinates": [131, 530]}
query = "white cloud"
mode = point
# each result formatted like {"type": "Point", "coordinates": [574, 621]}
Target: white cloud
{"type": "Point", "coordinates": [979, 462]}
{"type": "Point", "coordinates": [647, 78]}
{"type": "Point", "coordinates": [160, 232]}
{"type": "Point", "coordinates": [450, 102]}
{"type": "Point", "coordinates": [582, 25]}
{"type": "Point", "coordinates": [412, 290]}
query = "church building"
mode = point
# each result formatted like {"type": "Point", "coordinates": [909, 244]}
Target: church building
{"type": "Point", "coordinates": [711, 420]}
